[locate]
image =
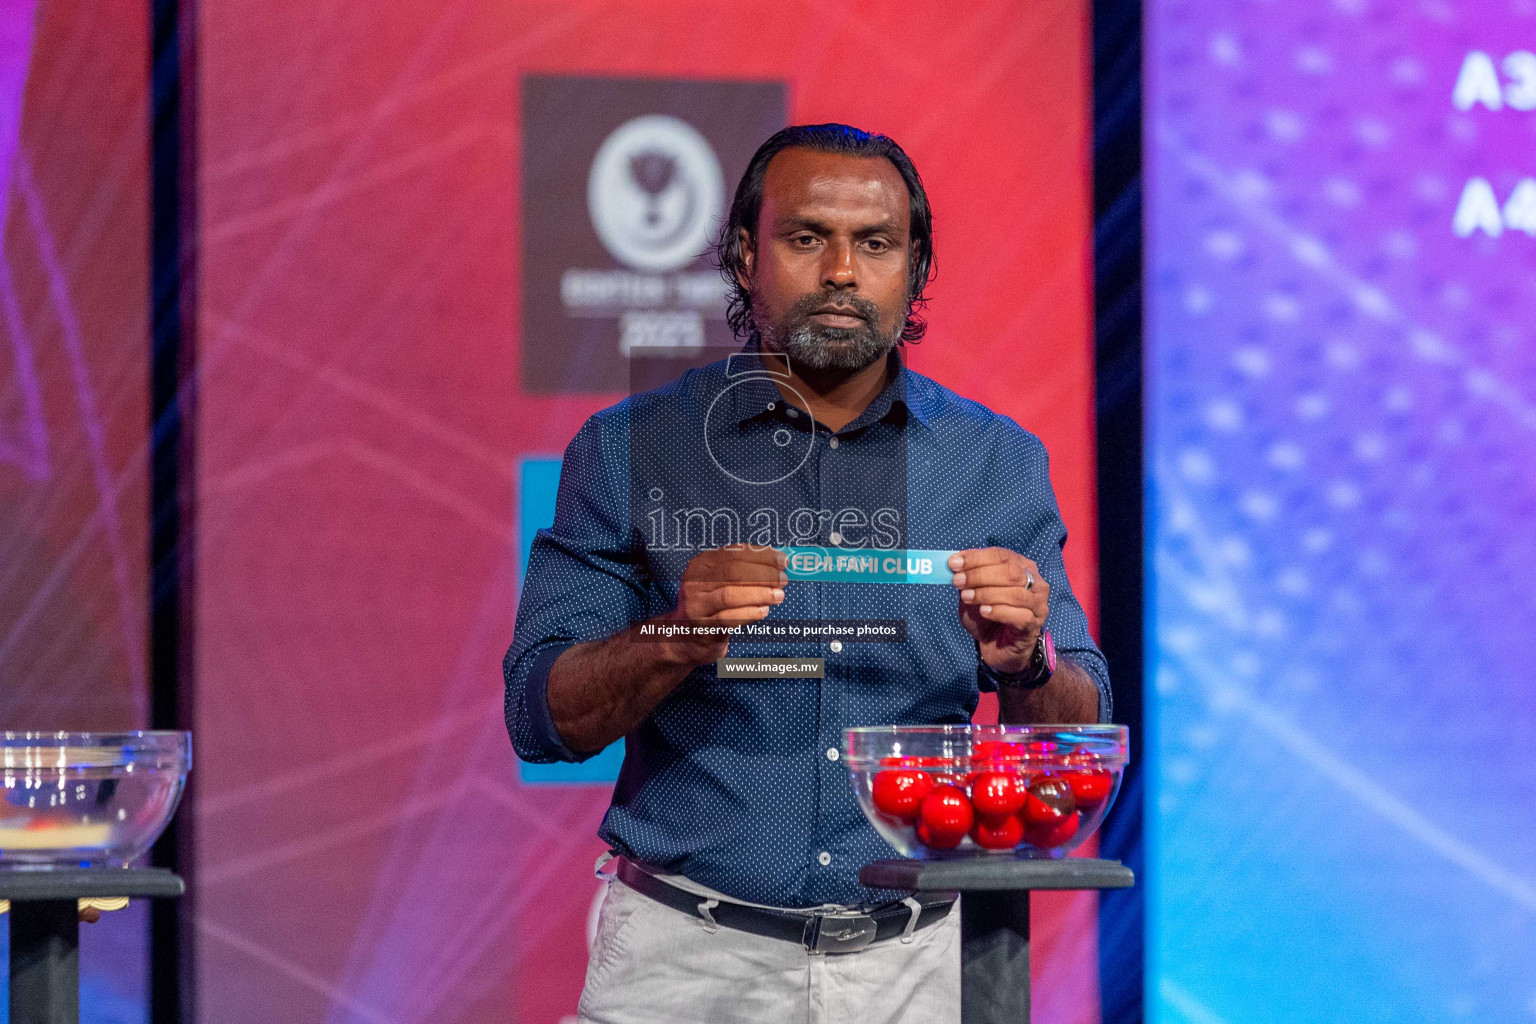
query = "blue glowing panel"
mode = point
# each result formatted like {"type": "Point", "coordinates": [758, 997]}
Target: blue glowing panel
{"type": "Point", "coordinates": [1342, 510]}
{"type": "Point", "coordinates": [538, 483]}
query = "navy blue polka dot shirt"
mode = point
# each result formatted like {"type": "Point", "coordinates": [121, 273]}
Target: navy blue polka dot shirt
{"type": "Point", "coordinates": [739, 783]}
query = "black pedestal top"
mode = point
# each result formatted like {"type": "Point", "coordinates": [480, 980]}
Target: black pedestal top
{"type": "Point", "coordinates": [84, 883]}
{"type": "Point", "coordinates": [993, 874]}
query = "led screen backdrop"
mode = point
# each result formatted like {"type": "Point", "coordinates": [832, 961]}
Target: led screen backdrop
{"type": "Point", "coordinates": [381, 408]}
{"type": "Point", "coordinates": [623, 181]}
{"type": "Point", "coordinates": [1343, 486]}
{"type": "Point", "coordinates": [74, 416]}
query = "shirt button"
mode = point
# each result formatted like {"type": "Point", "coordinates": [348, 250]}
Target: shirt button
{"type": "Point", "coordinates": [835, 537]}
{"type": "Point", "coordinates": [793, 413]}
{"type": "Point", "coordinates": [832, 443]}
{"type": "Point", "coordinates": [836, 645]}
{"type": "Point", "coordinates": [823, 858]}
{"type": "Point", "coordinates": [831, 753]}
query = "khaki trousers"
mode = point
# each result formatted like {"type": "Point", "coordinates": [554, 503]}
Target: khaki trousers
{"type": "Point", "coordinates": [651, 964]}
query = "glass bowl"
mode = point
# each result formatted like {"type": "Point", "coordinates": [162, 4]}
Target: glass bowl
{"type": "Point", "coordinates": [950, 791]}
{"type": "Point", "coordinates": [80, 799]}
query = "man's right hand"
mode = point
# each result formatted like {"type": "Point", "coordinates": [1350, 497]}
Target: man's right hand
{"type": "Point", "coordinates": [600, 690]}
{"type": "Point", "coordinates": [728, 586]}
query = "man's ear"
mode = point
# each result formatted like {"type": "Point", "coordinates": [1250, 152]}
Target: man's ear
{"type": "Point", "coordinates": [748, 258]}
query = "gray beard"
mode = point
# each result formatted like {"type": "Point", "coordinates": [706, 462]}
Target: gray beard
{"type": "Point", "coordinates": [830, 348]}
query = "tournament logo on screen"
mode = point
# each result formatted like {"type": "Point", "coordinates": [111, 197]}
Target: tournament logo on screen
{"type": "Point", "coordinates": [625, 186]}
{"type": "Point", "coordinates": [655, 193]}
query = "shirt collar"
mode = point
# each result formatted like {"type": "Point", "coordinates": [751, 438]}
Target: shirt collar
{"type": "Point", "coordinates": [757, 393]}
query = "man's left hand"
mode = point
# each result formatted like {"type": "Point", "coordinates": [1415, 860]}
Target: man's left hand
{"type": "Point", "coordinates": [1003, 604]}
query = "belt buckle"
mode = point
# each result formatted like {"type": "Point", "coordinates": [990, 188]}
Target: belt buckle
{"type": "Point", "coordinates": [841, 934]}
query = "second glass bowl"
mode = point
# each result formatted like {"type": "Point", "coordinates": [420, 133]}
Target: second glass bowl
{"type": "Point", "coordinates": [947, 791]}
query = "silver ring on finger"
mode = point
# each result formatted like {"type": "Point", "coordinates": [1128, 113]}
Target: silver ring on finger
{"type": "Point", "coordinates": [1029, 580]}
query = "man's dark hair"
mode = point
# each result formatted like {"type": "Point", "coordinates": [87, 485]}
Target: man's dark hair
{"type": "Point", "coordinates": [748, 205]}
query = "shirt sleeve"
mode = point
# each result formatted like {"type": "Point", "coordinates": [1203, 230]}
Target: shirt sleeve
{"type": "Point", "coordinates": [1035, 529]}
{"type": "Point", "coordinates": [585, 581]}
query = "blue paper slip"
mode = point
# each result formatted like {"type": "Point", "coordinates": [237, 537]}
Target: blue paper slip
{"type": "Point", "coordinates": [844, 565]}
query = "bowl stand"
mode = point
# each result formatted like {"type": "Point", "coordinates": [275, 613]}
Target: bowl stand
{"type": "Point", "coordinates": [45, 931]}
{"type": "Point", "coordinates": [994, 918]}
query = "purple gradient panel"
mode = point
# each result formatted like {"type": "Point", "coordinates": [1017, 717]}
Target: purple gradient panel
{"type": "Point", "coordinates": [1342, 471]}
{"type": "Point", "coordinates": [17, 21]}
{"type": "Point", "coordinates": [23, 443]}
{"type": "Point", "coordinates": [73, 406]}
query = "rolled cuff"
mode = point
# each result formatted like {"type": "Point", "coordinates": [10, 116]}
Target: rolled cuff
{"type": "Point", "coordinates": [536, 705]}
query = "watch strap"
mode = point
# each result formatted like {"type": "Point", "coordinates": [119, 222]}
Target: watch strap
{"type": "Point", "coordinates": [1042, 666]}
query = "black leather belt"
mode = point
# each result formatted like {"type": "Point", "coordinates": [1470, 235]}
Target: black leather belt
{"type": "Point", "coordinates": [840, 932]}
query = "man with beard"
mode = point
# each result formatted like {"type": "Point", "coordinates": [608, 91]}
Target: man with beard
{"type": "Point", "coordinates": [737, 836]}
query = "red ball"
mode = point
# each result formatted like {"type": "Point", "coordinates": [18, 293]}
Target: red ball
{"type": "Point", "coordinates": [945, 817]}
{"type": "Point", "coordinates": [1089, 788]}
{"type": "Point", "coordinates": [1048, 801]}
{"type": "Point", "coordinates": [1047, 837]}
{"type": "Point", "coordinates": [998, 833]}
{"type": "Point", "coordinates": [942, 841]}
{"type": "Point", "coordinates": [913, 762]}
{"type": "Point", "coordinates": [997, 794]}
{"type": "Point", "coordinates": [900, 793]}
{"type": "Point", "coordinates": [993, 751]}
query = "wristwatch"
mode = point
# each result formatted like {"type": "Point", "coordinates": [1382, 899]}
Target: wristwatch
{"type": "Point", "coordinates": [1041, 664]}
